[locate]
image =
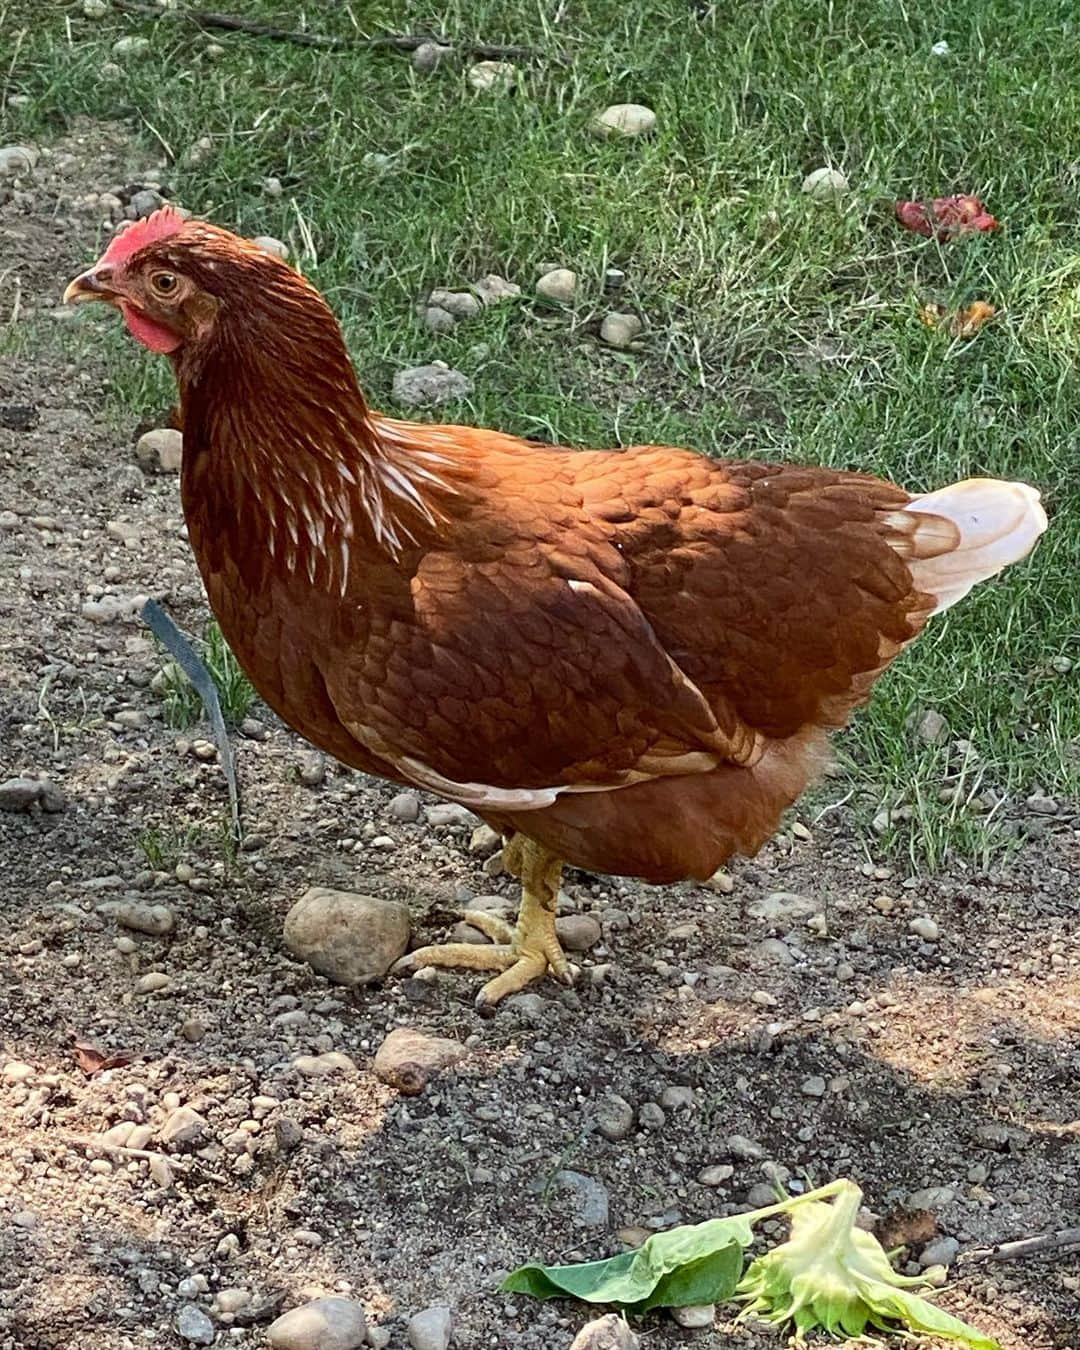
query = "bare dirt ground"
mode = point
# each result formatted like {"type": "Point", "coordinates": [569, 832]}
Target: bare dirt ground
{"type": "Point", "coordinates": [863, 1051]}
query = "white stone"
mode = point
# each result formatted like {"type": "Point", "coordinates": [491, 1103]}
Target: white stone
{"type": "Point", "coordinates": [559, 286]}
{"type": "Point", "coordinates": [625, 119]}
{"type": "Point", "coordinates": [493, 76]}
{"type": "Point", "coordinates": [825, 184]}
{"type": "Point", "coordinates": [269, 244]}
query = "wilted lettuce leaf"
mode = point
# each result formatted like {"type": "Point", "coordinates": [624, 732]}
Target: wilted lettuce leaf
{"type": "Point", "coordinates": [833, 1275]}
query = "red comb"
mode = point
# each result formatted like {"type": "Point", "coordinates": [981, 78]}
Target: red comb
{"type": "Point", "coordinates": [160, 224]}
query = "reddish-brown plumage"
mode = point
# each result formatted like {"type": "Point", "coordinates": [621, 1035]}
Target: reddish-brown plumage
{"type": "Point", "coordinates": [631, 657]}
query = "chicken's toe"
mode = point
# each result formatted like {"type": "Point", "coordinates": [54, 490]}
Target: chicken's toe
{"type": "Point", "coordinates": [463, 955]}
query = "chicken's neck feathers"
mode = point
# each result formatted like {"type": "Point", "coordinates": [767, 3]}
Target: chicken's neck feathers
{"type": "Point", "coordinates": [292, 444]}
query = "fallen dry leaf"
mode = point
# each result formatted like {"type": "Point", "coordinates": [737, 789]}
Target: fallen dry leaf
{"type": "Point", "coordinates": [964, 323]}
{"type": "Point", "coordinates": [945, 217]}
{"type": "Point", "coordinates": [92, 1060]}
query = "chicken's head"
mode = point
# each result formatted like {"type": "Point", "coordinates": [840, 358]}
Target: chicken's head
{"type": "Point", "coordinates": [170, 278]}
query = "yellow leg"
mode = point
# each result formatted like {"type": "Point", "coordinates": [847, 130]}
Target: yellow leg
{"type": "Point", "coordinates": [522, 954]}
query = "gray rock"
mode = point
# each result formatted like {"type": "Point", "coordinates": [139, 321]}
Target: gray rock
{"type": "Point", "coordinates": [578, 932]}
{"type": "Point", "coordinates": [941, 1252]}
{"type": "Point", "coordinates": [459, 304]}
{"type": "Point", "coordinates": [651, 1116]}
{"type": "Point", "coordinates": [606, 1333]}
{"type": "Point", "coordinates": [184, 1128]}
{"type": "Point", "coordinates": [430, 384]}
{"type": "Point", "coordinates": [145, 201]}
{"type": "Point", "coordinates": [430, 55]}
{"type": "Point", "coordinates": [614, 1116]}
{"type": "Point", "coordinates": [156, 920]}
{"type": "Point", "coordinates": [559, 286]}
{"type": "Point", "coordinates": [497, 76]}
{"type": "Point", "coordinates": [431, 1329]}
{"type": "Point", "coordinates": [437, 320]}
{"type": "Point", "coordinates": [351, 939]}
{"type": "Point", "coordinates": [493, 289]}
{"type": "Point", "coordinates": [1042, 805]}
{"type": "Point", "coordinates": [194, 1326]}
{"type": "Point", "coordinates": [931, 1197]}
{"type": "Point", "coordinates": [161, 450]}
{"type": "Point", "coordinates": [620, 330]}
{"type": "Point", "coordinates": [590, 1198]}
{"type": "Point", "coordinates": [323, 1324]}
{"type": "Point", "coordinates": [404, 807]}
{"type": "Point", "coordinates": [813, 1086]}
{"type": "Point", "coordinates": [745, 1150]}
{"type": "Point", "coordinates": [625, 119]}
{"type": "Point", "coordinates": [23, 794]}
{"type": "Point", "coordinates": [450, 813]}
{"type": "Point", "coordinates": [784, 907]}
{"type": "Point", "coordinates": [931, 727]}
{"type": "Point", "coordinates": [716, 1175]}
{"type": "Point", "coordinates": [925, 928]}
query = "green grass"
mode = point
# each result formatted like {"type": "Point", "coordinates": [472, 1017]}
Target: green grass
{"type": "Point", "coordinates": [181, 703]}
{"type": "Point", "coordinates": [776, 327]}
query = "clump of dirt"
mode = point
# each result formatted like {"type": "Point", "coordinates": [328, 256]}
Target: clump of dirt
{"type": "Point", "coordinates": [190, 1118]}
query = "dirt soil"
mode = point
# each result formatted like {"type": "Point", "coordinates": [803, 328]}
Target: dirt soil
{"type": "Point", "coordinates": [853, 1047]}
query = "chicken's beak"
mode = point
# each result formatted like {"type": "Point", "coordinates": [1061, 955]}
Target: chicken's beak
{"type": "Point", "coordinates": [93, 285]}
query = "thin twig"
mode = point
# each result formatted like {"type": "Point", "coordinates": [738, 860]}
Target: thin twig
{"type": "Point", "coordinates": [1064, 1239]}
{"type": "Point", "coordinates": [401, 42]}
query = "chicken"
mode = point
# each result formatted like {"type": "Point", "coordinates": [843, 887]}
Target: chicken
{"type": "Point", "coordinates": [627, 661]}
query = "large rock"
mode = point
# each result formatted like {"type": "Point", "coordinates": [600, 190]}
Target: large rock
{"type": "Point", "coordinates": [161, 450]}
{"type": "Point", "coordinates": [351, 939]}
{"type": "Point", "coordinates": [323, 1324]}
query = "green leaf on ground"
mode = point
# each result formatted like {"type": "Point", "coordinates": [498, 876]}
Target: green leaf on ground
{"type": "Point", "coordinates": [699, 1263]}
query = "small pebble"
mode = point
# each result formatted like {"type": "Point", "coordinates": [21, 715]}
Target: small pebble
{"type": "Point", "coordinates": [614, 1116]}
{"type": "Point", "coordinates": [942, 1252]}
{"type": "Point", "coordinates": [153, 982]}
{"type": "Point", "coordinates": [695, 1317]}
{"type": "Point", "coordinates": [716, 1175]}
{"type": "Point", "coordinates": [130, 47]}
{"type": "Point", "coordinates": [194, 1326]}
{"type": "Point", "coordinates": [925, 928]}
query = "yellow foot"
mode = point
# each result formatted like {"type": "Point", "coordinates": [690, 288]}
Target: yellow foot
{"type": "Point", "coordinates": [520, 954]}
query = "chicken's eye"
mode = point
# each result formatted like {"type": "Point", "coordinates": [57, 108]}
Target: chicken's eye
{"type": "Point", "coordinates": [165, 283]}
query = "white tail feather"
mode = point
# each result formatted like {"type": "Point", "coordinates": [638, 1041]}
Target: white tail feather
{"type": "Point", "coordinates": [998, 523]}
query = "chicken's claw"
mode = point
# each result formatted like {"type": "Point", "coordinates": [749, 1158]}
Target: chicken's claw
{"type": "Point", "coordinates": [521, 953]}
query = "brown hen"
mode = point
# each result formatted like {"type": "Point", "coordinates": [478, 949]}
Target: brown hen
{"type": "Point", "coordinates": [627, 661]}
